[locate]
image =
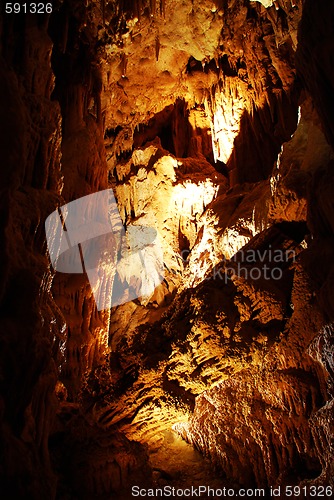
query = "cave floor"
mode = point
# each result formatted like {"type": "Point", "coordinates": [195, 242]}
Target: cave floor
{"type": "Point", "coordinates": [178, 464]}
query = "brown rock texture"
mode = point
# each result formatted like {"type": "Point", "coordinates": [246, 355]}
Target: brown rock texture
{"type": "Point", "coordinates": [212, 122]}
{"type": "Point", "coordinates": [30, 320]}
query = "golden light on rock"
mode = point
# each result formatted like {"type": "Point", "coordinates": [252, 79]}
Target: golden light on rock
{"type": "Point", "coordinates": [207, 370]}
{"type": "Point", "coordinates": [225, 128]}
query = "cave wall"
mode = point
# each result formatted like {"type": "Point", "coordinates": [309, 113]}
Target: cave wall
{"type": "Point", "coordinates": [31, 323]}
{"type": "Point", "coordinates": [52, 152]}
{"type": "Point", "coordinates": [285, 440]}
{"type": "Point", "coordinates": [243, 59]}
{"type": "Point", "coordinates": [77, 89]}
{"type": "Point", "coordinates": [122, 95]}
{"type": "Point", "coordinates": [102, 91]}
{"type": "Point", "coordinates": [246, 355]}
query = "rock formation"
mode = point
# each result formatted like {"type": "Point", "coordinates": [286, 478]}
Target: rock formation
{"type": "Point", "coordinates": [212, 122]}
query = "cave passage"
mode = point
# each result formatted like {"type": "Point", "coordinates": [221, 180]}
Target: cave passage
{"type": "Point", "coordinates": [166, 291]}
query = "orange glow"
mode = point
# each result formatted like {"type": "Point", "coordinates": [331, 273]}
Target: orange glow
{"type": "Point", "coordinates": [224, 129]}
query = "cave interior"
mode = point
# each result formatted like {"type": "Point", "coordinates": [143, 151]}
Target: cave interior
{"type": "Point", "coordinates": [212, 124]}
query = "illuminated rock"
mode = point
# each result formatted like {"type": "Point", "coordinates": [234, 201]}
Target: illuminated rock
{"type": "Point", "coordinates": [188, 111]}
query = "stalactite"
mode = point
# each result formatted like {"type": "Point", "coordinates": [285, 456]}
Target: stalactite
{"type": "Point", "coordinates": [65, 34]}
{"type": "Point", "coordinates": [162, 8]}
{"type": "Point", "coordinates": [157, 47]}
{"type": "Point", "coordinates": [124, 63]}
{"type": "Point", "coordinates": [136, 9]}
{"type": "Point", "coordinates": [103, 8]}
{"type": "Point", "coordinates": [98, 109]}
{"type": "Point", "coordinates": [153, 7]}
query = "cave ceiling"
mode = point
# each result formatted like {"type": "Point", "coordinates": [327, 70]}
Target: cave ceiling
{"type": "Point", "coordinates": [211, 124]}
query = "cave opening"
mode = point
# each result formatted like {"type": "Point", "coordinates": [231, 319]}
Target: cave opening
{"type": "Point", "coordinates": [194, 345]}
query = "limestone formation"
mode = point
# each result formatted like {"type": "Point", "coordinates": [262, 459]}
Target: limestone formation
{"type": "Point", "coordinates": [212, 122]}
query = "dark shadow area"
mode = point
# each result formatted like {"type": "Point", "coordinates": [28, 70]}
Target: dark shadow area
{"type": "Point", "coordinates": [261, 136]}
{"type": "Point", "coordinates": [172, 127]}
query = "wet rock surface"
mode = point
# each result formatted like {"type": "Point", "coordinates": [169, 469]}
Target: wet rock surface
{"type": "Point", "coordinates": [189, 112]}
